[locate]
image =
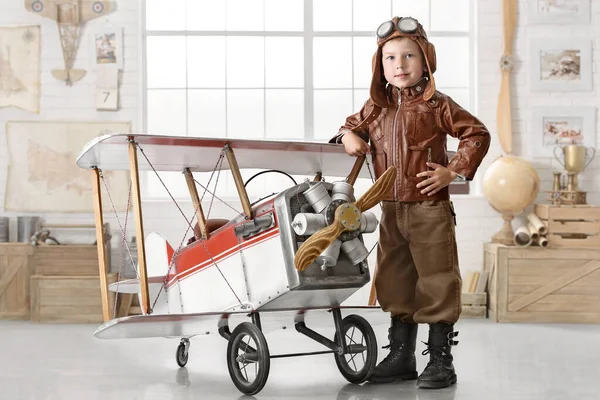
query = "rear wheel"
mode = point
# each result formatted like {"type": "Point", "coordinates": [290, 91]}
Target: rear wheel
{"type": "Point", "coordinates": [182, 353]}
{"type": "Point", "coordinates": [358, 364]}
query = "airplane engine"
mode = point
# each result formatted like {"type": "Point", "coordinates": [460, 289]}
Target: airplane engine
{"type": "Point", "coordinates": [324, 202]}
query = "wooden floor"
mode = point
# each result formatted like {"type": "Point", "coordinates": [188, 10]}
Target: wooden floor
{"type": "Point", "coordinates": [493, 361]}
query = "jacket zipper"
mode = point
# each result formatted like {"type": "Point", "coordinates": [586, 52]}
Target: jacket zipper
{"type": "Point", "coordinates": [394, 149]}
{"type": "Point", "coordinates": [428, 157]}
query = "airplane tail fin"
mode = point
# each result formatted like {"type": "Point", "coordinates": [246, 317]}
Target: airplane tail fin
{"type": "Point", "coordinates": [158, 257]}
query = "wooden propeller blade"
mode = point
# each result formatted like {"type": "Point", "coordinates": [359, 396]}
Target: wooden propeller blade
{"type": "Point", "coordinates": [374, 194]}
{"type": "Point", "coordinates": [504, 115]}
{"type": "Point", "coordinates": [316, 244]}
{"type": "Point", "coordinates": [509, 19]}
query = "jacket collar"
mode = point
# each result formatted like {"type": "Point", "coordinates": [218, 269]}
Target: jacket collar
{"type": "Point", "coordinates": [411, 92]}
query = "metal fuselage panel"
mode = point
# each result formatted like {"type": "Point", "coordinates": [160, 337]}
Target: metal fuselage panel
{"type": "Point", "coordinates": [257, 270]}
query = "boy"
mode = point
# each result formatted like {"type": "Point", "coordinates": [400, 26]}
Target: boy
{"type": "Point", "coordinates": [406, 122]}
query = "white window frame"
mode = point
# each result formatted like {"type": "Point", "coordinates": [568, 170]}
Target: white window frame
{"type": "Point", "coordinates": [308, 34]}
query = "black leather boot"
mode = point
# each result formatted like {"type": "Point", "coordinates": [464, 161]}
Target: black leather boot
{"type": "Point", "coordinates": [400, 363]}
{"type": "Point", "coordinates": [439, 372]}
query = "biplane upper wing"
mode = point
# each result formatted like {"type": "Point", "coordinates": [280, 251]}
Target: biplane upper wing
{"type": "Point", "coordinates": [189, 325]}
{"type": "Point", "coordinates": [88, 9]}
{"type": "Point", "coordinates": [169, 153]}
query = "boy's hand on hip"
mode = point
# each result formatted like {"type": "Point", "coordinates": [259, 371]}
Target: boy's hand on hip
{"type": "Point", "coordinates": [354, 145]}
{"type": "Point", "coordinates": [437, 179]}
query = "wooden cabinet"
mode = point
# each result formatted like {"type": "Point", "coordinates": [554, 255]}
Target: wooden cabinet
{"type": "Point", "coordinates": [535, 284]}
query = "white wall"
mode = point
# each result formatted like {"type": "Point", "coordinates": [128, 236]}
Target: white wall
{"type": "Point", "coordinates": [477, 221]}
{"type": "Point", "coordinates": [60, 102]}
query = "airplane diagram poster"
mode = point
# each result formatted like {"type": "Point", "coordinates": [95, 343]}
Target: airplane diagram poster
{"type": "Point", "coordinates": [43, 175]}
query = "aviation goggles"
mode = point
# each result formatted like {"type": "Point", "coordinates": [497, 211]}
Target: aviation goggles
{"type": "Point", "coordinates": [407, 25]}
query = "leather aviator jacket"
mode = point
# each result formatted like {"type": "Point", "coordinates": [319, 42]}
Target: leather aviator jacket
{"type": "Point", "coordinates": [411, 132]}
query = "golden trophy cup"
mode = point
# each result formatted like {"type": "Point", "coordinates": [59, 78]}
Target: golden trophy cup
{"type": "Point", "coordinates": [574, 161]}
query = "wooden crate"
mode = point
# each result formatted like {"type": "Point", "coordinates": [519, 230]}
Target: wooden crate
{"type": "Point", "coordinates": [15, 271]}
{"type": "Point", "coordinates": [570, 225]}
{"type": "Point", "coordinates": [474, 305]}
{"type": "Point", "coordinates": [66, 260]}
{"type": "Point", "coordinates": [537, 284]}
{"type": "Point", "coordinates": [68, 299]}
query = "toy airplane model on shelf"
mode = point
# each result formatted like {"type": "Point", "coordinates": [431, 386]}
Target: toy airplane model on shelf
{"type": "Point", "coordinates": [295, 252]}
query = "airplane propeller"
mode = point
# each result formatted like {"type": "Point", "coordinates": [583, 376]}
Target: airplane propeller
{"type": "Point", "coordinates": [347, 218]}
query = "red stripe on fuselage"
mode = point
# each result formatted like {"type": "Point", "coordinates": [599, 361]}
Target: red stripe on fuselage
{"type": "Point", "coordinates": [221, 245]}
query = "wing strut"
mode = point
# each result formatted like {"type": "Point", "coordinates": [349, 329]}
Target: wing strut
{"type": "Point", "coordinates": [189, 179]}
{"type": "Point", "coordinates": [139, 226]}
{"type": "Point", "coordinates": [239, 182]}
{"type": "Point", "coordinates": [100, 243]}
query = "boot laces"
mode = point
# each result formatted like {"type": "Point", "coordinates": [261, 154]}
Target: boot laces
{"type": "Point", "coordinates": [437, 353]}
{"type": "Point", "coordinates": [394, 353]}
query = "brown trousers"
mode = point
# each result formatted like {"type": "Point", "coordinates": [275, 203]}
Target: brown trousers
{"type": "Point", "coordinates": [417, 278]}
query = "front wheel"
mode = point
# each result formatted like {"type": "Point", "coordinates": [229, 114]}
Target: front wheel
{"type": "Point", "coordinates": [248, 358]}
{"type": "Point", "coordinates": [358, 363]}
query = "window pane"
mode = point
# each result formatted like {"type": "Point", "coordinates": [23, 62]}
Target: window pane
{"type": "Point", "coordinates": [206, 113]}
{"type": "Point", "coordinates": [332, 107]}
{"type": "Point", "coordinates": [363, 55]}
{"type": "Point", "coordinates": [451, 143]}
{"type": "Point", "coordinates": [360, 98]}
{"type": "Point", "coordinates": [245, 114]}
{"type": "Point", "coordinates": [205, 15]}
{"type": "Point", "coordinates": [221, 184]}
{"type": "Point", "coordinates": [284, 62]}
{"type": "Point", "coordinates": [411, 8]}
{"type": "Point", "coordinates": [165, 15]}
{"type": "Point", "coordinates": [450, 15]}
{"type": "Point", "coordinates": [461, 96]}
{"type": "Point", "coordinates": [174, 181]}
{"type": "Point", "coordinates": [166, 112]}
{"type": "Point", "coordinates": [285, 15]}
{"type": "Point", "coordinates": [166, 61]}
{"type": "Point", "coordinates": [369, 14]}
{"type": "Point", "coordinates": [245, 15]}
{"type": "Point", "coordinates": [245, 62]}
{"type": "Point", "coordinates": [453, 65]}
{"type": "Point", "coordinates": [203, 73]}
{"type": "Point", "coordinates": [285, 114]}
{"type": "Point", "coordinates": [332, 15]}
{"type": "Point", "coordinates": [332, 62]}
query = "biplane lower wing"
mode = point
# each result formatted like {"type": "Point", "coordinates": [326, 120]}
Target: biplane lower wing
{"type": "Point", "coordinates": [189, 325]}
{"type": "Point", "coordinates": [133, 285]}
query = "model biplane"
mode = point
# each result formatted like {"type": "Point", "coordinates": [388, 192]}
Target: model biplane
{"type": "Point", "coordinates": [69, 14]}
{"type": "Point", "coordinates": [291, 253]}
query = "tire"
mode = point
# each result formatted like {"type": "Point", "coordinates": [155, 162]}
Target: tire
{"type": "Point", "coordinates": [346, 363]}
{"type": "Point", "coordinates": [181, 355]}
{"type": "Point", "coordinates": [239, 346]}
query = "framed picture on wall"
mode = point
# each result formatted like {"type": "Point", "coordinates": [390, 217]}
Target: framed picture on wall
{"type": "Point", "coordinates": [106, 46]}
{"type": "Point", "coordinates": [558, 11]}
{"type": "Point", "coordinates": [560, 64]}
{"type": "Point", "coordinates": [558, 126]}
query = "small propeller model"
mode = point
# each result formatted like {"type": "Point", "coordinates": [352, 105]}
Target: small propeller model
{"type": "Point", "coordinates": [347, 218]}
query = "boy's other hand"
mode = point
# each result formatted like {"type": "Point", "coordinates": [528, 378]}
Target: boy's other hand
{"type": "Point", "coordinates": [437, 179]}
{"type": "Point", "coordinates": [354, 145]}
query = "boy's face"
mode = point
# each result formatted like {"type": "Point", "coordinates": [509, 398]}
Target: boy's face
{"type": "Point", "coordinates": [403, 63]}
